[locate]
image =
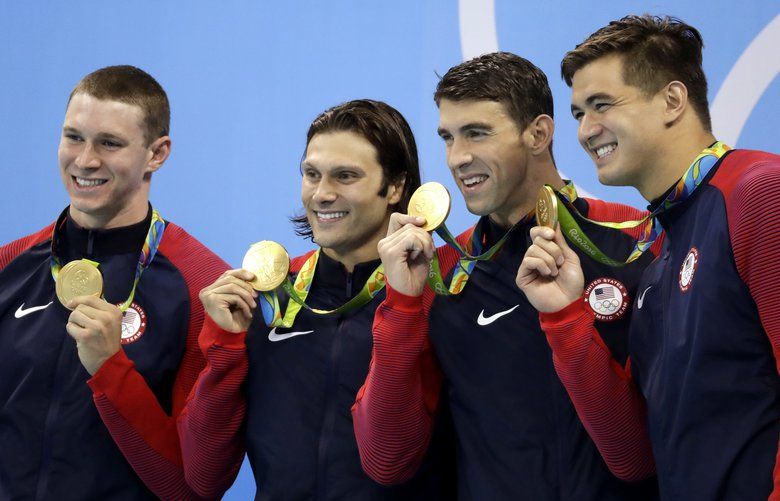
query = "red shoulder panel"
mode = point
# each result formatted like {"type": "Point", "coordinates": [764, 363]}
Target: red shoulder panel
{"type": "Point", "coordinates": [10, 251]}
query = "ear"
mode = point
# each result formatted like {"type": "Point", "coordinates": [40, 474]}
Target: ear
{"type": "Point", "coordinates": [395, 191]}
{"type": "Point", "coordinates": [160, 149]}
{"type": "Point", "coordinates": [538, 134]}
{"type": "Point", "coordinates": [675, 96]}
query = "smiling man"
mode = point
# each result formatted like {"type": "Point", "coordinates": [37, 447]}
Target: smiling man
{"type": "Point", "coordinates": [700, 403]}
{"type": "Point", "coordinates": [518, 434]}
{"type": "Point", "coordinates": [296, 383]}
{"type": "Point", "coordinates": [84, 379]}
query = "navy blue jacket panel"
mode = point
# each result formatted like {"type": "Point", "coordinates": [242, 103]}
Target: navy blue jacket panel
{"type": "Point", "coordinates": [699, 348]}
{"type": "Point", "coordinates": [518, 432]}
{"type": "Point", "coordinates": [300, 390]}
{"type": "Point", "coordinates": [54, 443]}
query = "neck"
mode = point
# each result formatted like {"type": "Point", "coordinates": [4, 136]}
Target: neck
{"type": "Point", "coordinates": [525, 201]}
{"type": "Point", "coordinates": [353, 257]}
{"type": "Point", "coordinates": [126, 217]}
{"type": "Point", "coordinates": [672, 162]}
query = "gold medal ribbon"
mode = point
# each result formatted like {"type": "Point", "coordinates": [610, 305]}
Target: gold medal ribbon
{"type": "Point", "coordinates": [299, 291]}
{"type": "Point", "coordinates": [685, 186]}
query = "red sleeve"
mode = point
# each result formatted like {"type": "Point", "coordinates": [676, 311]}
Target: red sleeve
{"type": "Point", "coordinates": [210, 426]}
{"type": "Point", "coordinates": [753, 211]}
{"type": "Point", "coordinates": [212, 440]}
{"type": "Point", "coordinates": [394, 411]}
{"type": "Point", "coordinates": [145, 434]}
{"type": "Point", "coordinates": [604, 395]}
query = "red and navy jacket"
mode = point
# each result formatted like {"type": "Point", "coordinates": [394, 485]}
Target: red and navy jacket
{"type": "Point", "coordinates": [704, 345]}
{"type": "Point", "coordinates": [295, 387]}
{"type": "Point", "coordinates": [65, 435]}
{"type": "Point", "coordinates": [518, 433]}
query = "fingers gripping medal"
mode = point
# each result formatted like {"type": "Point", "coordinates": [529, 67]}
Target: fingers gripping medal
{"type": "Point", "coordinates": [547, 207]}
{"type": "Point", "coordinates": [431, 201]}
{"type": "Point", "coordinates": [269, 262]}
{"type": "Point", "coordinates": [78, 278]}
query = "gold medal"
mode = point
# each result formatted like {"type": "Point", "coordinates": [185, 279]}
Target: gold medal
{"type": "Point", "coordinates": [78, 278]}
{"type": "Point", "coordinates": [269, 262]}
{"type": "Point", "coordinates": [431, 201]}
{"type": "Point", "coordinates": [547, 207]}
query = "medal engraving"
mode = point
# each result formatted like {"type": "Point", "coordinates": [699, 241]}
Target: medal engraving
{"type": "Point", "coordinates": [78, 278]}
{"type": "Point", "coordinates": [547, 207]}
{"type": "Point", "coordinates": [431, 201]}
{"type": "Point", "coordinates": [269, 262]}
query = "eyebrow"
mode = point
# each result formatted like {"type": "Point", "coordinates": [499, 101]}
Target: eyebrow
{"type": "Point", "coordinates": [336, 168]}
{"type": "Point", "coordinates": [589, 101]}
{"type": "Point", "coordinates": [468, 126]}
{"type": "Point", "coordinates": [101, 135]}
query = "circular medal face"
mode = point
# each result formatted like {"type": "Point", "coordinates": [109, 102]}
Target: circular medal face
{"type": "Point", "coordinates": [688, 269]}
{"type": "Point", "coordinates": [133, 323]}
{"type": "Point", "coordinates": [547, 207]}
{"type": "Point", "coordinates": [608, 298]}
{"type": "Point", "coordinates": [431, 201]}
{"type": "Point", "coordinates": [78, 278]}
{"type": "Point", "coordinates": [269, 262]}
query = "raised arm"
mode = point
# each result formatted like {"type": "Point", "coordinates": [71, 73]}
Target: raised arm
{"type": "Point", "coordinates": [607, 402]}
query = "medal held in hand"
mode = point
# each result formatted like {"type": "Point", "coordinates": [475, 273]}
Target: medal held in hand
{"type": "Point", "coordinates": [78, 278]}
{"type": "Point", "coordinates": [270, 264]}
{"type": "Point", "coordinates": [431, 201]}
{"type": "Point", "coordinates": [547, 207]}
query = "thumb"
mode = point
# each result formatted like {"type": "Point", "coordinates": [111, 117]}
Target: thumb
{"type": "Point", "coordinates": [562, 243]}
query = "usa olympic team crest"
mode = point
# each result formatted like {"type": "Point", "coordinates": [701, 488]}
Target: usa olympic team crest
{"type": "Point", "coordinates": [133, 323]}
{"type": "Point", "coordinates": [608, 298]}
{"type": "Point", "coordinates": [688, 269]}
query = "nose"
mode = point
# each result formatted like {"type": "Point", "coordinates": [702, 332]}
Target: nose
{"type": "Point", "coordinates": [458, 154]}
{"type": "Point", "coordinates": [589, 128]}
{"type": "Point", "coordinates": [324, 191]}
{"type": "Point", "coordinates": [87, 158]}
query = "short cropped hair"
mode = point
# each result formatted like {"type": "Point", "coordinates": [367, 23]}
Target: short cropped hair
{"type": "Point", "coordinates": [655, 51]}
{"type": "Point", "coordinates": [131, 85]}
{"type": "Point", "coordinates": [504, 77]}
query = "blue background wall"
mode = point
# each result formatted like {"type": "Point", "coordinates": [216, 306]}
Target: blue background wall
{"type": "Point", "coordinates": [245, 79]}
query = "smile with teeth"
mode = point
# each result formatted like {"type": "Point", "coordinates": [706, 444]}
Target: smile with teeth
{"type": "Point", "coordinates": [88, 183]}
{"type": "Point", "coordinates": [471, 181]}
{"type": "Point", "coordinates": [605, 150]}
{"type": "Point", "coordinates": [331, 216]}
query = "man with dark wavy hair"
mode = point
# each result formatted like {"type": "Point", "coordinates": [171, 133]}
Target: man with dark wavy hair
{"type": "Point", "coordinates": [91, 386]}
{"type": "Point", "coordinates": [700, 401]}
{"type": "Point", "coordinates": [295, 376]}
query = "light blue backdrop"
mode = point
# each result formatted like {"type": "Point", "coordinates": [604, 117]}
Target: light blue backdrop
{"type": "Point", "coordinates": [245, 79]}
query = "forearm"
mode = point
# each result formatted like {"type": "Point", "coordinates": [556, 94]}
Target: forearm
{"type": "Point", "coordinates": [393, 412]}
{"type": "Point", "coordinates": [144, 433]}
{"type": "Point", "coordinates": [607, 402]}
{"type": "Point", "coordinates": [210, 426]}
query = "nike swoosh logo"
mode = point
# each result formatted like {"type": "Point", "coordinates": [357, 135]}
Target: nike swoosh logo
{"type": "Point", "coordinates": [483, 320]}
{"type": "Point", "coordinates": [641, 298]}
{"type": "Point", "coordinates": [274, 337]}
{"type": "Point", "coordinates": [22, 312]}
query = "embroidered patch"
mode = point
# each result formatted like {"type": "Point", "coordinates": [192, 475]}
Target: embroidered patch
{"type": "Point", "coordinates": [688, 269]}
{"type": "Point", "coordinates": [608, 298]}
{"type": "Point", "coordinates": [133, 323]}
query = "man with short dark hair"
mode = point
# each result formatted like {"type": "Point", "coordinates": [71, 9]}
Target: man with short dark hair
{"type": "Point", "coordinates": [135, 355]}
{"type": "Point", "coordinates": [701, 402]}
{"type": "Point", "coordinates": [295, 373]}
{"type": "Point", "coordinates": [517, 432]}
